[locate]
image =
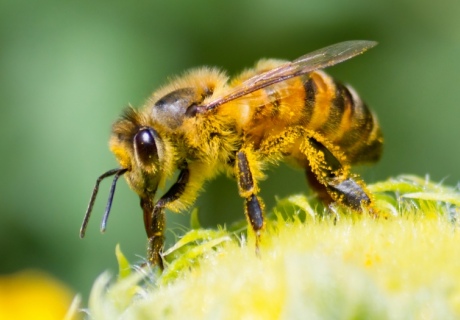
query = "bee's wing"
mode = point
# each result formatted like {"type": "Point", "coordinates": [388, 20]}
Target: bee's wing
{"type": "Point", "coordinates": [318, 59]}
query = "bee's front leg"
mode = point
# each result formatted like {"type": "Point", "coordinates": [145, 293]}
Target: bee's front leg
{"type": "Point", "coordinates": [247, 187]}
{"type": "Point", "coordinates": [154, 221]}
{"type": "Point", "coordinates": [154, 218]}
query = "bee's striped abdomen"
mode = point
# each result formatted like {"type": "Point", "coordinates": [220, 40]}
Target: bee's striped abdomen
{"type": "Point", "coordinates": [337, 112]}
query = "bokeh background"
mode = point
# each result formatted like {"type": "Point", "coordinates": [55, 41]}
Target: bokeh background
{"type": "Point", "coordinates": [68, 68]}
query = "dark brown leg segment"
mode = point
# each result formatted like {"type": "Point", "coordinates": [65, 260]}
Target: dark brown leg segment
{"type": "Point", "coordinates": [154, 221]}
{"type": "Point", "coordinates": [154, 218]}
{"type": "Point", "coordinates": [247, 189]}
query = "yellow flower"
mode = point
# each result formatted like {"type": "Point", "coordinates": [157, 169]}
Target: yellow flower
{"type": "Point", "coordinates": [33, 294]}
{"type": "Point", "coordinates": [312, 264]}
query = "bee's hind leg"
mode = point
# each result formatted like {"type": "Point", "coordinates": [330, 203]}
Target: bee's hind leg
{"type": "Point", "coordinates": [332, 180]}
{"type": "Point", "coordinates": [319, 188]}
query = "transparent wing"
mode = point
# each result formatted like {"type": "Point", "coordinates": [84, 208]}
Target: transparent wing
{"type": "Point", "coordinates": [318, 59]}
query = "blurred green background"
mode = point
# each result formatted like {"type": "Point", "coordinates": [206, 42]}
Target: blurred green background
{"type": "Point", "coordinates": [68, 68]}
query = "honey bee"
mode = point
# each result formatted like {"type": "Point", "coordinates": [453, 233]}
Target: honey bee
{"type": "Point", "coordinates": [202, 124]}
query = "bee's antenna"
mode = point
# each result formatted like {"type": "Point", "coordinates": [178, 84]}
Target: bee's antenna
{"type": "Point", "coordinates": [109, 201]}
{"type": "Point", "coordinates": [117, 173]}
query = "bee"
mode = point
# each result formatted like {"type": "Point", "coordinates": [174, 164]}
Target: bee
{"type": "Point", "coordinates": [202, 124]}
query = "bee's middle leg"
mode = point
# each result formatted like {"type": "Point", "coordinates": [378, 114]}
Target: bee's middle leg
{"type": "Point", "coordinates": [248, 189]}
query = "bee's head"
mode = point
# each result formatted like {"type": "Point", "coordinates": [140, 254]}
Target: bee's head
{"type": "Point", "coordinates": [140, 150]}
{"type": "Point", "coordinates": [143, 159]}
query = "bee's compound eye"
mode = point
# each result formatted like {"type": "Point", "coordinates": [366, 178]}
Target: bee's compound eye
{"type": "Point", "coordinates": [145, 146]}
